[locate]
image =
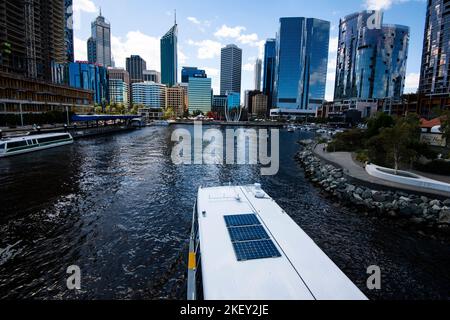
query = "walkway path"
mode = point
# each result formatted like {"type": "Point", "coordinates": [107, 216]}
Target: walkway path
{"type": "Point", "coordinates": [356, 171]}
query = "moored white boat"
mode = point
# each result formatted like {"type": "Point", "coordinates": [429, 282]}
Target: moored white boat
{"type": "Point", "coordinates": [243, 246]}
{"type": "Point", "coordinates": [26, 144]}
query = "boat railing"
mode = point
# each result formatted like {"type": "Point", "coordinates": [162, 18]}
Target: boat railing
{"type": "Point", "coordinates": [192, 262]}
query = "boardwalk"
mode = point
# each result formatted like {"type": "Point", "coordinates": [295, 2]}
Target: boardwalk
{"type": "Point", "coordinates": [356, 171]}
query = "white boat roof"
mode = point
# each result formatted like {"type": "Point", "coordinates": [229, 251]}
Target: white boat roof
{"type": "Point", "coordinates": [36, 136]}
{"type": "Point", "coordinates": [303, 272]}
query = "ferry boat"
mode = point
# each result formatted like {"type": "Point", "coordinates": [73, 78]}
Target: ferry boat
{"type": "Point", "coordinates": [20, 145]}
{"type": "Point", "coordinates": [243, 246]}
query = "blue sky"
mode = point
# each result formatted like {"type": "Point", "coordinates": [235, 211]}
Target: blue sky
{"type": "Point", "coordinates": [207, 25]}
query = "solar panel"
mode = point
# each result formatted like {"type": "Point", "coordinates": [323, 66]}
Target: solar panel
{"type": "Point", "coordinates": [250, 233]}
{"type": "Point", "coordinates": [242, 220]}
{"type": "Point", "coordinates": [254, 250]}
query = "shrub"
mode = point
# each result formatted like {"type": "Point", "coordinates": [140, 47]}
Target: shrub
{"type": "Point", "coordinates": [362, 156]}
{"type": "Point", "coordinates": [349, 141]}
{"type": "Point", "coordinates": [436, 167]}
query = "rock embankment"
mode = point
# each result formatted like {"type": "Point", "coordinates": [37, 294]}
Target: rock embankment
{"type": "Point", "coordinates": [419, 210]}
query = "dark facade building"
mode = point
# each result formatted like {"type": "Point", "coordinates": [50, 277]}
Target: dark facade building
{"type": "Point", "coordinates": [32, 37]}
{"type": "Point", "coordinates": [135, 67]}
{"type": "Point", "coordinates": [249, 100]}
{"type": "Point", "coordinates": [371, 58]}
{"type": "Point", "coordinates": [169, 57]}
{"type": "Point", "coordinates": [191, 72]}
{"type": "Point", "coordinates": [301, 64]}
{"type": "Point", "coordinates": [230, 70]}
{"type": "Point", "coordinates": [270, 54]}
{"type": "Point", "coordinates": [435, 71]}
{"type": "Point", "coordinates": [68, 6]}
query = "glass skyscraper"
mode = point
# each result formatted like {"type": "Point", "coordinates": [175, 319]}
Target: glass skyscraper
{"type": "Point", "coordinates": [230, 70]}
{"type": "Point", "coordinates": [270, 54]}
{"type": "Point", "coordinates": [68, 7]}
{"type": "Point", "coordinates": [258, 71]}
{"type": "Point", "coordinates": [434, 75]}
{"type": "Point", "coordinates": [169, 57]}
{"type": "Point", "coordinates": [99, 44]}
{"type": "Point", "coordinates": [90, 77]}
{"type": "Point", "coordinates": [371, 58]}
{"type": "Point", "coordinates": [191, 72]}
{"type": "Point", "coordinates": [135, 67]}
{"type": "Point", "coordinates": [199, 93]}
{"type": "Point", "coordinates": [301, 64]}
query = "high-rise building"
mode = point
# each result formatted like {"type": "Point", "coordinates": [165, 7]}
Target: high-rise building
{"type": "Point", "coordinates": [270, 54]}
{"type": "Point", "coordinates": [258, 72]}
{"type": "Point", "coordinates": [99, 44]}
{"type": "Point", "coordinates": [249, 94]}
{"type": "Point", "coordinates": [371, 58]}
{"type": "Point", "coordinates": [230, 69]}
{"type": "Point", "coordinates": [151, 76]}
{"type": "Point", "coordinates": [259, 103]}
{"type": "Point", "coordinates": [135, 66]}
{"type": "Point", "coordinates": [149, 94]}
{"type": "Point", "coordinates": [234, 100]}
{"type": "Point", "coordinates": [90, 77]}
{"type": "Point", "coordinates": [32, 37]}
{"type": "Point", "coordinates": [219, 104]}
{"type": "Point", "coordinates": [68, 7]}
{"type": "Point", "coordinates": [199, 93]}
{"type": "Point", "coordinates": [301, 64]}
{"type": "Point", "coordinates": [191, 72]}
{"type": "Point", "coordinates": [435, 71]}
{"type": "Point", "coordinates": [169, 57]}
{"type": "Point", "coordinates": [119, 86]}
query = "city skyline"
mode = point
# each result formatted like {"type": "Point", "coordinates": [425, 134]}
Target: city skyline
{"type": "Point", "coordinates": [201, 38]}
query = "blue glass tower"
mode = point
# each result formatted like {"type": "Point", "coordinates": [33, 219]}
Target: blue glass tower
{"type": "Point", "coordinates": [90, 77]}
{"type": "Point", "coordinates": [371, 59]}
{"type": "Point", "coordinates": [270, 54]}
{"type": "Point", "coordinates": [191, 72]}
{"type": "Point", "coordinates": [169, 57]}
{"type": "Point", "coordinates": [301, 64]}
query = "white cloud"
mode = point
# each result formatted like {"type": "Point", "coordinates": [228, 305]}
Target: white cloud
{"type": "Point", "coordinates": [249, 67]}
{"type": "Point", "coordinates": [194, 20]}
{"type": "Point", "coordinates": [84, 5]}
{"type": "Point", "coordinates": [385, 4]}
{"type": "Point", "coordinates": [182, 58]}
{"type": "Point", "coordinates": [412, 82]}
{"type": "Point", "coordinates": [229, 32]}
{"type": "Point", "coordinates": [334, 42]}
{"type": "Point", "coordinates": [80, 48]}
{"type": "Point", "coordinates": [252, 39]}
{"type": "Point", "coordinates": [137, 43]}
{"type": "Point", "coordinates": [213, 73]}
{"type": "Point", "coordinates": [207, 49]}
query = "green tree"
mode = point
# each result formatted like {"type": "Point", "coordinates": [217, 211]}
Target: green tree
{"type": "Point", "coordinates": [169, 113]}
{"type": "Point", "coordinates": [378, 122]}
{"type": "Point", "coordinates": [399, 141]}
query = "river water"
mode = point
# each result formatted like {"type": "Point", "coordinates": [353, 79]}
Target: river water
{"type": "Point", "coordinates": [118, 208]}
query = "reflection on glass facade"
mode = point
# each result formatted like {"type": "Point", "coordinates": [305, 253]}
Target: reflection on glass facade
{"type": "Point", "coordinates": [434, 76]}
{"type": "Point", "coordinates": [301, 64]}
{"type": "Point", "coordinates": [99, 44]}
{"type": "Point", "coordinates": [169, 57]}
{"type": "Point", "coordinates": [90, 77]}
{"type": "Point", "coordinates": [191, 72]}
{"type": "Point", "coordinates": [269, 69]}
{"type": "Point", "coordinates": [371, 59]}
{"type": "Point", "coordinates": [200, 97]}
{"type": "Point", "coordinates": [68, 6]}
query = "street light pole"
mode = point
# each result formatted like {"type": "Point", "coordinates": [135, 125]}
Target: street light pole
{"type": "Point", "coordinates": [21, 114]}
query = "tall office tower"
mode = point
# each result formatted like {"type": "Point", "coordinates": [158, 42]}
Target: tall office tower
{"type": "Point", "coordinates": [199, 95]}
{"type": "Point", "coordinates": [191, 72]}
{"type": "Point", "coordinates": [32, 37]}
{"type": "Point", "coordinates": [230, 70]}
{"type": "Point", "coordinates": [152, 76]}
{"type": "Point", "coordinates": [169, 57]}
{"type": "Point", "coordinates": [302, 61]}
{"type": "Point", "coordinates": [135, 67]}
{"type": "Point", "coordinates": [68, 6]}
{"type": "Point", "coordinates": [270, 54]}
{"type": "Point", "coordinates": [371, 58]}
{"type": "Point", "coordinates": [88, 76]}
{"type": "Point", "coordinates": [258, 72]}
{"type": "Point", "coordinates": [99, 44]}
{"type": "Point", "coordinates": [259, 105]}
{"type": "Point", "coordinates": [119, 86]}
{"type": "Point", "coordinates": [434, 75]}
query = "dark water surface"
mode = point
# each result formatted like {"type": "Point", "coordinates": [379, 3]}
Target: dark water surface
{"type": "Point", "coordinates": [118, 208]}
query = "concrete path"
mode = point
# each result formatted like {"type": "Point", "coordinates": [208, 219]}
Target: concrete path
{"type": "Point", "coordinates": [356, 171]}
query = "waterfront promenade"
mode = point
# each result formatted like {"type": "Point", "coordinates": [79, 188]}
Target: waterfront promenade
{"type": "Point", "coordinates": [356, 171]}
